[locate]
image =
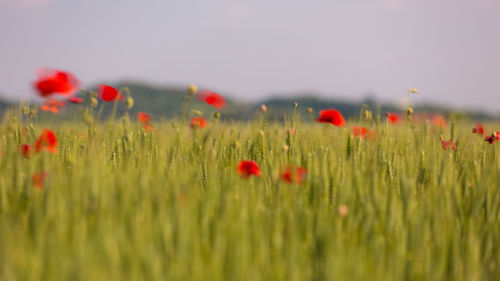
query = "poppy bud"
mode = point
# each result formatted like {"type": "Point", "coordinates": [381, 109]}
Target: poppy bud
{"type": "Point", "coordinates": [409, 111]}
{"type": "Point", "coordinates": [263, 108]}
{"type": "Point", "coordinates": [93, 101]}
{"type": "Point", "coordinates": [129, 102]}
{"type": "Point", "coordinates": [192, 90]}
{"type": "Point", "coordinates": [368, 115]}
{"type": "Point", "coordinates": [196, 112]}
{"type": "Point", "coordinates": [295, 104]}
{"type": "Point", "coordinates": [216, 115]}
{"type": "Point", "coordinates": [413, 90]}
{"type": "Point", "coordinates": [343, 210]}
{"type": "Point", "coordinates": [309, 110]}
{"type": "Point", "coordinates": [286, 147]}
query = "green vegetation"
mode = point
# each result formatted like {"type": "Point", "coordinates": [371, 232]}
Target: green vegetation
{"type": "Point", "coordinates": [120, 203]}
{"type": "Point", "coordinates": [167, 102]}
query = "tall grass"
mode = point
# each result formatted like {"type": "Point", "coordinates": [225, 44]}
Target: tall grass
{"type": "Point", "coordinates": [120, 203]}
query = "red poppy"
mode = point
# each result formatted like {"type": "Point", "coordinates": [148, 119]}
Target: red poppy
{"type": "Point", "coordinates": [331, 116]}
{"type": "Point", "coordinates": [449, 144]}
{"type": "Point", "coordinates": [38, 179]}
{"type": "Point", "coordinates": [439, 121]}
{"type": "Point", "coordinates": [495, 136]}
{"type": "Point", "coordinates": [393, 118]}
{"type": "Point", "coordinates": [25, 149]}
{"type": "Point", "coordinates": [46, 141]}
{"type": "Point", "coordinates": [479, 129]}
{"type": "Point", "coordinates": [49, 108]}
{"type": "Point", "coordinates": [148, 127]}
{"type": "Point", "coordinates": [247, 168]}
{"type": "Point", "coordinates": [361, 132]}
{"type": "Point", "coordinates": [143, 117]}
{"type": "Point", "coordinates": [108, 93]}
{"type": "Point", "coordinates": [212, 98]}
{"type": "Point", "coordinates": [490, 139]}
{"type": "Point", "coordinates": [52, 81]}
{"type": "Point", "coordinates": [75, 100]}
{"type": "Point", "coordinates": [198, 122]}
{"type": "Point", "coordinates": [52, 105]}
{"type": "Point", "coordinates": [296, 175]}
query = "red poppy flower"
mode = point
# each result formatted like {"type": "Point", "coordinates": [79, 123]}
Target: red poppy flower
{"type": "Point", "coordinates": [495, 136]}
{"type": "Point", "coordinates": [49, 108]}
{"type": "Point", "coordinates": [296, 175]}
{"type": "Point", "coordinates": [143, 117]}
{"type": "Point", "coordinates": [439, 121]}
{"type": "Point", "coordinates": [198, 122]}
{"type": "Point", "coordinates": [479, 129]}
{"type": "Point", "coordinates": [52, 81]}
{"type": "Point", "coordinates": [393, 118]}
{"type": "Point", "coordinates": [75, 100]}
{"type": "Point", "coordinates": [46, 141]}
{"type": "Point", "coordinates": [38, 179]}
{"type": "Point", "coordinates": [361, 132]}
{"type": "Point", "coordinates": [248, 168]}
{"type": "Point", "coordinates": [25, 149]}
{"type": "Point", "coordinates": [52, 105]}
{"type": "Point", "coordinates": [212, 98]}
{"type": "Point", "coordinates": [108, 93]}
{"type": "Point", "coordinates": [148, 127]}
{"type": "Point", "coordinates": [331, 116]}
{"type": "Point", "coordinates": [449, 144]}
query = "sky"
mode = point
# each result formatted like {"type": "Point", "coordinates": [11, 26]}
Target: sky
{"type": "Point", "coordinates": [251, 50]}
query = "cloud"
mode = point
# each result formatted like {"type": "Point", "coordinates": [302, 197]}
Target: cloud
{"type": "Point", "coordinates": [240, 11]}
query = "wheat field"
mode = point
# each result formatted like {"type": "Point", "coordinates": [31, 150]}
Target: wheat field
{"type": "Point", "coordinates": [118, 201]}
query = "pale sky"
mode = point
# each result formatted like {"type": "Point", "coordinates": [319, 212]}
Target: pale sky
{"type": "Point", "coordinates": [450, 49]}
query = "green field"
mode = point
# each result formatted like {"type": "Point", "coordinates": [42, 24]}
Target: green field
{"type": "Point", "coordinates": [120, 203]}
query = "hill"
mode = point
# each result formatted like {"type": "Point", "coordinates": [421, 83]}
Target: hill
{"type": "Point", "coordinates": [168, 102]}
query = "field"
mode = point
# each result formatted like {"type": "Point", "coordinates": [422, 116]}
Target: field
{"type": "Point", "coordinates": [118, 201]}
